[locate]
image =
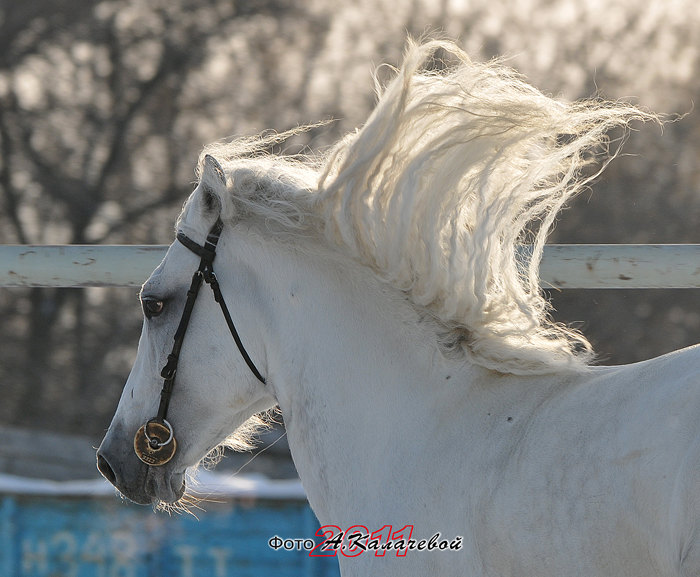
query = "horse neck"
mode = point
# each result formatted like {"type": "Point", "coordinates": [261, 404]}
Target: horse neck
{"type": "Point", "coordinates": [355, 371]}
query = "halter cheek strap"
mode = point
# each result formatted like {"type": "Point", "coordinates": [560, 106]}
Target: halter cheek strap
{"type": "Point", "coordinates": [207, 253]}
{"type": "Point", "coordinates": [155, 442]}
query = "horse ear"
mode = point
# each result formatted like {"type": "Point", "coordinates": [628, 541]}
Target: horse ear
{"type": "Point", "coordinates": [213, 180]}
{"type": "Point", "coordinates": [213, 168]}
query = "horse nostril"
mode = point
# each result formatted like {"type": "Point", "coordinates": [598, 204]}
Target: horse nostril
{"type": "Point", "coordinates": [104, 468]}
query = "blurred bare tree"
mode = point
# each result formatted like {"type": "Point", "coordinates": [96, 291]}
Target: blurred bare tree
{"type": "Point", "coordinates": [92, 151]}
{"type": "Point", "coordinates": [105, 105]}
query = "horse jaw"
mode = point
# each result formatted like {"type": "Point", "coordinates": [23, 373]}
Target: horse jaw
{"type": "Point", "coordinates": [165, 485]}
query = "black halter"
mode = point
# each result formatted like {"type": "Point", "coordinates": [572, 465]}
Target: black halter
{"type": "Point", "coordinates": [155, 442]}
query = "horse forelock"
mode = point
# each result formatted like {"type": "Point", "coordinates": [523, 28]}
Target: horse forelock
{"type": "Point", "coordinates": [455, 169]}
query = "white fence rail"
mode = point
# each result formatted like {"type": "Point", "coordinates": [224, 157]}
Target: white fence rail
{"type": "Point", "coordinates": [563, 266]}
{"type": "Point", "coordinates": [77, 265]}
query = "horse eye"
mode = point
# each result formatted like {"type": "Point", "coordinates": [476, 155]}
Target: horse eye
{"type": "Point", "coordinates": [152, 307]}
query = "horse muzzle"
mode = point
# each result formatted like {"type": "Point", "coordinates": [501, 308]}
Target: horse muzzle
{"type": "Point", "coordinates": [133, 478]}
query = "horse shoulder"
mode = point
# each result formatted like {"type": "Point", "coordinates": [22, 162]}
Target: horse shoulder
{"type": "Point", "coordinates": [605, 458]}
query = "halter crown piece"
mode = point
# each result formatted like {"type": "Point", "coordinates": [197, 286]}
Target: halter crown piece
{"type": "Point", "coordinates": [154, 442]}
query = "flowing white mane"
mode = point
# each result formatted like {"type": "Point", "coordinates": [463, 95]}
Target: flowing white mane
{"type": "Point", "coordinates": [456, 168]}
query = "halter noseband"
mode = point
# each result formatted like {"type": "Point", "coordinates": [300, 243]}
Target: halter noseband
{"type": "Point", "coordinates": [154, 442]}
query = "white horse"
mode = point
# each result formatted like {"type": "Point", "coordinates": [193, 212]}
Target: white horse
{"type": "Point", "coordinates": [423, 385]}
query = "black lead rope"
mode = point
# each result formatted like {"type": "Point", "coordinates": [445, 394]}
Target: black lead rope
{"type": "Point", "coordinates": [155, 442]}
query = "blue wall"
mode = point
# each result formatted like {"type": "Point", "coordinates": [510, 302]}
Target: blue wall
{"type": "Point", "coordinates": [106, 537]}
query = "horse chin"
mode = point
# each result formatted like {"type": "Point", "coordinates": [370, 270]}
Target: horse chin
{"type": "Point", "coordinates": [161, 488]}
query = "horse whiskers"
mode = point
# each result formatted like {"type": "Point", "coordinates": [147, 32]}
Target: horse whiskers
{"type": "Point", "coordinates": [192, 499]}
{"type": "Point", "coordinates": [184, 505]}
{"type": "Point", "coordinates": [212, 458]}
{"type": "Point", "coordinates": [260, 452]}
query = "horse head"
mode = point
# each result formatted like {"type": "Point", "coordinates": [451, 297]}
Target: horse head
{"type": "Point", "coordinates": [187, 354]}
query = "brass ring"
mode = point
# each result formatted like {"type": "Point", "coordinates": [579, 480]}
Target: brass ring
{"type": "Point", "coordinates": [154, 442]}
